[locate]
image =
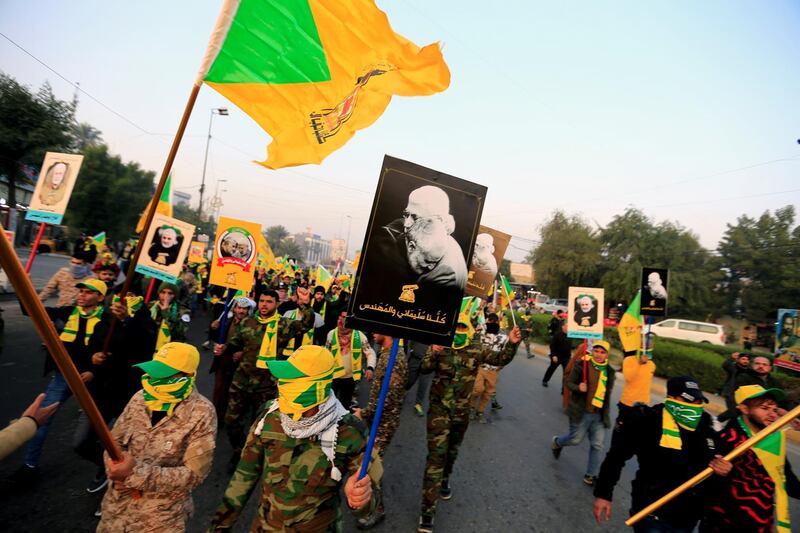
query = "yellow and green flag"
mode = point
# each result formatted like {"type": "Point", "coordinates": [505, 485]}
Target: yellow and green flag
{"type": "Point", "coordinates": [265, 257]}
{"type": "Point", "coordinates": [508, 293]}
{"type": "Point", "coordinates": [313, 72]}
{"type": "Point", "coordinates": [99, 241]}
{"type": "Point", "coordinates": [324, 277]}
{"type": "Point", "coordinates": [630, 326]}
{"type": "Point", "coordinates": [164, 205]}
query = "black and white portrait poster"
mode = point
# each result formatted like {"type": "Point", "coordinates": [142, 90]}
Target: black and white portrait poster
{"type": "Point", "coordinates": [490, 248]}
{"type": "Point", "coordinates": [654, 291]}
{"type": "Point", "coordinates": [419, 241]}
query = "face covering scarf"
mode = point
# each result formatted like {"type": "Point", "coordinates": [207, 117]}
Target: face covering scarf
{"type": "Point", "coordinates": [269, 344]}
{"type": "Point", "coordinates": [79, 271]}
{"type": "Point", "coordinates": [677, 413]}
{"type": "Point", "coordinates": [164, 394]}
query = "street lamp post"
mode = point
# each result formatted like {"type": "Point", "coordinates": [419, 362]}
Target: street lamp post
{"type": "Point", "coordinates": [217, 199]}
{"type": "Point", "coordinates": [222, 111]}
{"type": "Point", "coordinates": [347, 242]}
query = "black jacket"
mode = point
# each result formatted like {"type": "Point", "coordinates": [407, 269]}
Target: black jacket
{"type": "Point", "coordinates": [660, 469]}
{"type": "Point", "coordinates": [561, 346]}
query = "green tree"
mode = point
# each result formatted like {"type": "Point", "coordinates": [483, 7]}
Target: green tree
{"type": "Point", "coordinates": [568, 255]}
{"type": "Point", "coordinates": [277, 237]}
{"type": "Point", "coordinates": [505, 268]}
{"type": "Point", "coordinates": [86, 135]}
{"type": "Point", "coordinates": [632, 241]}
{"type": "Point", "coordinates": [109, 196]}
{"type": "Point", "coordinates": [761, 260]}
{"type": "Point", "coordinates": [30, 125]}
{"type": "Point", "coordinates": [187, 214]}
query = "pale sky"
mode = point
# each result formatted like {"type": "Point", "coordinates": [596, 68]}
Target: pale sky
{"type": "Point", "coordinates": [685, 109]}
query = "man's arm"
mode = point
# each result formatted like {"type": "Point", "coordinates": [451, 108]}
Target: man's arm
{"type": "Point", "coordinates": [431, 359]}
{"type": "Point", "coordinates": [575, 377]}
{"type": "Point", "coordinates": [622, 448]}
{"type": "Point", "coordinates": [298, 327]}
{"type": "Point", "coordinates": [241, 485]}
{"type": "Point", "coordinates": [374, 472]}
{"type": "Point", "coordinates": [194, 468]}
{"type": "Point", "coordinates": [368, 352]}
{"type": "Point", "coordinates": [51, 287]}
{"type": "Point", "coordinates": [502, 357]}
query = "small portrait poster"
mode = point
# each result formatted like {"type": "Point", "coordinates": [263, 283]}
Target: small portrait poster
{"type": "Point", "coordinates": [490, 248]}
{"type": "Point", "coordinates": [585, 313]}
{"type": "Point", "coordinates": [654, 291]}
{"type": "Point", "coordinates": [197, 252]}
{"type": "Point", "coordinates": [787, 339]}
{"type": "Point", "coordinates": [54, 187]}
{"type": "Point", "coordinates": [234, 254]}
{"type": "Point", "coordinates": [412, 272]}
{"type": "Point", "coordinates": [165, 247]}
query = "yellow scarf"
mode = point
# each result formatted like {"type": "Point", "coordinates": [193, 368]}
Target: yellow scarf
{"type": "Point", "coordinates": [599, 397]}
{"type": "Point", "coordinates": [298, 395]}
{"type": "Point", "coordinates": [70, 331]}
{"type": "Point", "coordinates": [164, 334]}
{"type": "Point", "coordinates": [355, 354]}
{"type": "Point", "coordinates": [308, 336]}
{"type": "Point", "coordinates": [269, 344]}
{"type": "Point", "coordinates": [166, 393]}
{"type": "Point", "coordinates": [772, 454]}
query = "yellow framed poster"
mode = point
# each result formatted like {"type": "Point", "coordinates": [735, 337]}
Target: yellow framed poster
{"type": "Point", "coordinates": [235, 250]}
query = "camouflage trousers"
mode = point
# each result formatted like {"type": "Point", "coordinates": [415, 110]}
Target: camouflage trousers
{"type": "Point", "coordinates": [243, 405]}
{"type": "Point", "coordinates": [445, 433]}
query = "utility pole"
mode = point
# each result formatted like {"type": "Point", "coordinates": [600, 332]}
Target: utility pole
{"type": "Point", "coordinates": [222, 111]}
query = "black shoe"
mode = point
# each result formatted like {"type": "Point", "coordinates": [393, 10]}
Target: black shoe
{"type": "Point", "coordinates": [495, 404]}
{"type": "Point", "coordinates": [26, 476]}
{"type": "Point", "coordinates": [589, 480]}
{"type": "Point", "coordinates": [544, 384]}
{"type": "Point", "coordinates": [556, 448]}
{"type": "Point", "coordinates": [425, 523]}
{"type": "Point", "coordinates": [99, 482]}
{"type": "Point", "coordinates": [372, 520]}
{"type": "Point", "coordinates": [445, 492]}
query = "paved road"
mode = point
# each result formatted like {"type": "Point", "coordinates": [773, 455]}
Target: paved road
{"type": "Point", "coordinates": [44, 266]}
{"type": "Point", "coordinates": [505, 478]}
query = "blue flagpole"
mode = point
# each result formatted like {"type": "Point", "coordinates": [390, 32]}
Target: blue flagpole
{"type": "Point", "coordinates": [224, 318]}
{"type": "Point", "coordinates": [376, 420]}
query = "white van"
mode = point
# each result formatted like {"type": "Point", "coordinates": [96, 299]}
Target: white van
{"type": "Point", "coordinates": [689, 330]}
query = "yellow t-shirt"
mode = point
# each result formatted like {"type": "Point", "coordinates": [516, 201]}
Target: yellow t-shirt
{"type": "Point", "coordinates": [638, 380]}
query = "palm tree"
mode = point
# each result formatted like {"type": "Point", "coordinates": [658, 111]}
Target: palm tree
{"type": "Point", "coordinates": [86, 135]}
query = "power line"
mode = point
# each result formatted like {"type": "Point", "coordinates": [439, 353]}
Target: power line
{"type": "Point", "coordinates": [77, 87]}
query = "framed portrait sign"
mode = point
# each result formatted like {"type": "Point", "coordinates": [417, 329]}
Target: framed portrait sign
{"type": "Point", "coordinates": [490, 248]}
{"type": "Point", "coordinates": [787, 339]}
{"type": "Point", "coordinates": [197, 252]}
{"type": "Point", "coordinates": [54, 187]}
{"type": "Point", "coordinates": [654, 291]}
{"type": "Point", "coordinates": [235, 250]}
{"type": "Point", "coordinates": [165, 247]}
{"type": "Point", "coordinates": [585, 313]}
{"type": "Point", "coordinates": [412, 272]}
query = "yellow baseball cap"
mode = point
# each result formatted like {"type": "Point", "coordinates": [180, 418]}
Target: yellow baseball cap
{"type": "Point", "coordinates": [602, 344]}
{"type": "Point", "coordinates": [309, 361]}
{"type": "Point", "coordinates": [93, 284]}
{"type": "Point", "coordinates": [748, 392]}
{"type": "Point", "coordinates": [172, 358]}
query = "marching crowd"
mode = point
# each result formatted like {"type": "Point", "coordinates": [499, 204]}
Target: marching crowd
{"type": "Point", "coordinates": [286, 369]}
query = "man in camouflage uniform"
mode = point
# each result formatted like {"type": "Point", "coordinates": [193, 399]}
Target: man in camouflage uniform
{"type": "Point", "coordinates": [167, 433]}
{"type": "Point", "coordinates": [527, 331]}
{"type": "Point", "coordinates": [302, 447]}
{"type": "Point", "coordinates": [454, 369]}
{"type": "Point", "coordinates": [390, 418]}
{"type": "Point", "coordinates": [252, 383]}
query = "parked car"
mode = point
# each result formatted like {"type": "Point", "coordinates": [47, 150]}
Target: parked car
{"type": "Point", "coordinates": [689, 330]}
{"type": "Point", "coordinates": [553, 305]}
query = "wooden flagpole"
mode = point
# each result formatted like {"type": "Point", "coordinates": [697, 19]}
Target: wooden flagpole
{"type": "Point", "coordinates": [736, 452]}
{"type": "Point", "coordinates": [173, 151]}
{"type": "Point", "coordinates": [47, 331]}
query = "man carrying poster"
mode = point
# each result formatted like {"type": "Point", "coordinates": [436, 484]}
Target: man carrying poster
{"type": "Point", "coordinates": [585, 313]}
{"type": "Point", "coordinates": [490, 247]}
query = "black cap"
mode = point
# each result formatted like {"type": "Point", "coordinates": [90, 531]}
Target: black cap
{"type": "Point", "coordinates": [319, 288]}
{"type": "Point", "coordinates": [686, 388]}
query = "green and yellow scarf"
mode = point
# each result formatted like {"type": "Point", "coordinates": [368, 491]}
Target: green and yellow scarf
{"type": "Point", "coordinates": [599, 397]}
{"type": "Point", "coordinates": [164, 334]}
{"type": "Point", "coordinates": [772, 454]}
{"type": "Point", "coordinates": [269, 343]}
{"type": "Point", "coordinates": [165, 394]}
{"type": "Point", "coordinates": [134, 303]}
{"type": "Point", "coordinates": [70, 331]}
{"type": "Point", "coordinates": [677, 413]}
{"type": "Point", "coordinates": [308, 336]}
{"type": "Point", "coordinates": [355, 354]}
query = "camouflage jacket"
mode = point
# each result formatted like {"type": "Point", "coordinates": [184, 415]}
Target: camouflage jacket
{"type": "Point", "coordinates": [175, 321]}
{"type": "Point", "coordinates": [62, 282]}
{"type": "Point", "coordinates": [247, 339]}
{"type": "Point", "coordinates": [172, 458]}
{"type": "Point", "coordinates": [297, 492]}
{"type": "Point", "coordinates": [455, 370]}
{"type": "Point", "coordinates": [397, 386]}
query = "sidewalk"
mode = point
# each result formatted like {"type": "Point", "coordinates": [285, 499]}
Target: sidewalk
{"type": "Point", "coordinates": [715, 406]}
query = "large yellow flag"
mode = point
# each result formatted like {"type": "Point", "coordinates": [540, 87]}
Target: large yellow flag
{"type": "Point", "coordinates": [265, 258]}
{"type": "Point", "coordinates": [313, 72]}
